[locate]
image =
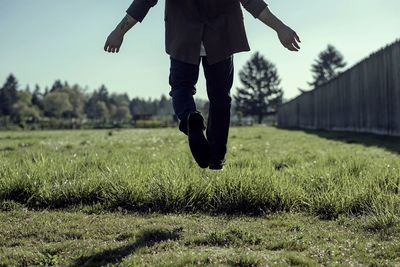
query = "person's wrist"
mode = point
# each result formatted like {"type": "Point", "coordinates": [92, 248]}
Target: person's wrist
{"type": "Point", "coordinates": [118, 32]}
{"type": "Point", "coordinates": [279, 27]}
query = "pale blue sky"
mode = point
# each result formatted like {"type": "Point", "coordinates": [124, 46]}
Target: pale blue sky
{"type": "Point", "coordinates": [45, 40]}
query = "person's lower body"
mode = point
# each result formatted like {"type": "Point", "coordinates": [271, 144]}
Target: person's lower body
{"type": "Point", "coordinates": [219, 79]}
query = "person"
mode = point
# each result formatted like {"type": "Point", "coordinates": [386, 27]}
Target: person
{"type": "Point", "coordinates": [210, 31]}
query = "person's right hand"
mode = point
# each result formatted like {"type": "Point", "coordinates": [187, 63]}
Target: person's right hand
{"type": "Point", "coordinates": [289, 38]}
{"type": "Point", "coordinates": [114, 41]}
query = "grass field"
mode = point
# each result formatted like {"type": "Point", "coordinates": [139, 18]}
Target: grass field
{"type": "Point", "coordinates": [136, 197]}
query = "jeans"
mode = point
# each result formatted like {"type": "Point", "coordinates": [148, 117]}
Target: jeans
{"type": "Point", "coordinates": [219, 79]}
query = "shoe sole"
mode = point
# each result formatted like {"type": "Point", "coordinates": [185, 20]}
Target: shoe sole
{"type": "Point", "coordinates": [216, 168]}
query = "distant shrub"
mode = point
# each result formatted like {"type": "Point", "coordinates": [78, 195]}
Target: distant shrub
{"type": "Point", "coordinates": [151, 124]}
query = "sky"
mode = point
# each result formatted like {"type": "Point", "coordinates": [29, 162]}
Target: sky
{"type": "Point", "coordinates": [45, 40]}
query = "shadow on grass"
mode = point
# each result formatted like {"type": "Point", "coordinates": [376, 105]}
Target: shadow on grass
{"type": "Point", "coordinates": [390, 143]}
{"type": "Point", "coordinates": [147, 238]}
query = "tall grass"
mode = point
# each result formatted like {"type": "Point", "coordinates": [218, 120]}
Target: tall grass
{"type": "Point", "coordinates": [268, 170]}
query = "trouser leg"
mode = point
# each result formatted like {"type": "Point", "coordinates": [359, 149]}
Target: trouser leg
{"type": "Point", "coordinates": [182, 79]}
{"type": "Point", "coordinates": [219, 77]}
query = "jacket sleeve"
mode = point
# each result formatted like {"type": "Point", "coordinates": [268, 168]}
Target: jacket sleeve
{"type": "Point", "coordinates": [139, 8]}
{"type": "Point", "coordinates": [254, 7]}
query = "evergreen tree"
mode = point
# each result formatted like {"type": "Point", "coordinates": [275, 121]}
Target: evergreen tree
{"type": "Point", "coordinates": [327, 66]}
{"type": "Point", "coordinates": [46, 91]}
{"type": "Point", "coordinates": [261, 92]}
{"type": "Point", "coordinates": [57, 85]}
{"type": "Point", "coordinates": [8, 95]}
{"type": "Point", "coordinates": [140, 106]}
{"type": "Point", "coordinates": [102, 95]}
{"type": "Point", "coordinates": [164, 106]}
{"type": "Point", "coordinates": [92, 106]}
{"type": "Point", "coordinates": [37, 98]}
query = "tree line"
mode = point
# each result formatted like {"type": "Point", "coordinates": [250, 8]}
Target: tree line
{"type": "Point", "coordinates": [66, 106]}
{"type": "Point", "coordinates": [63, 105]}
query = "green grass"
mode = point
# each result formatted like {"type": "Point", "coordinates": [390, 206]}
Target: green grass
{"type": "Point", "coordinates": [137, 198]}
{"type": "Point", "coordinates": [80, 239]}
{"type": "Point", "coordinates": [268, 170]}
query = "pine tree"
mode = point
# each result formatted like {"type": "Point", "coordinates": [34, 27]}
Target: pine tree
{"type": "Point", "coordinates": [327, 66]}
{"type": "Point", "coordinates": [261, 92]}
{"type": "Point", "coordinates": [37, 98]}
{"type": "Point", "coordinates": [57, 85]}
{"type": "Point", "coordinates": [8, 95]}
{"type": "Point", "coordinates": [92, 107]}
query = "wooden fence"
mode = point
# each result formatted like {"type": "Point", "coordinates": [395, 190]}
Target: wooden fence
{"type": "Point", "coordinates": [365, 98]}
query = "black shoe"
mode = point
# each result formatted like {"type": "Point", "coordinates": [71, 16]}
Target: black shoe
{"type": "Point", "coordinates": [216, 165]}
{"type": "Point", "coordinates": [197, 141]}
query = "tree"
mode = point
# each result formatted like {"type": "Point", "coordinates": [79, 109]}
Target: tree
{"type": "Point", "coordinates": [119, 108]}
{"type": "Point", "coordinates": [101, 111]}
{"type": "Point", "coordinates": [327, 66]}
{"type": "Point", "coordinates": [37, 98]}
{"type": "Point", "coordinates": [8, 95]}
{"type": "Point", "coordinates": [57, 85]}
{"type": "Point", "coordinates": [57, 104]}
{"type": "Point", "coordinates": [261, 92]}
{"type": "Point", "coordinates": [25, 97]}
{"type": "Point", "coordinates": [119, 99]}
{"type": "Point", "coordinates": [121, 114]}
{"type": "Point", "coordinates": [139, 106]}
{"type": "Point", "coordinates": [164, 106]}
{"type": "Point", "coordinates": [76, 98]}
{"type": "Point", "coordinates": [92, 107]}
{"type": "Point", "coordinates": [23, 110]}
{"type": "Point", "coordinates": [102, 95]}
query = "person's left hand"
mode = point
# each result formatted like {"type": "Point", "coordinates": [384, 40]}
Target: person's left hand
{"type": "Point", "coordinates": [289, 38]}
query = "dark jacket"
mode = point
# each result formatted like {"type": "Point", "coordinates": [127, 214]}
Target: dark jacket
{"type": "Point", "coordinates": [218, 23]}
